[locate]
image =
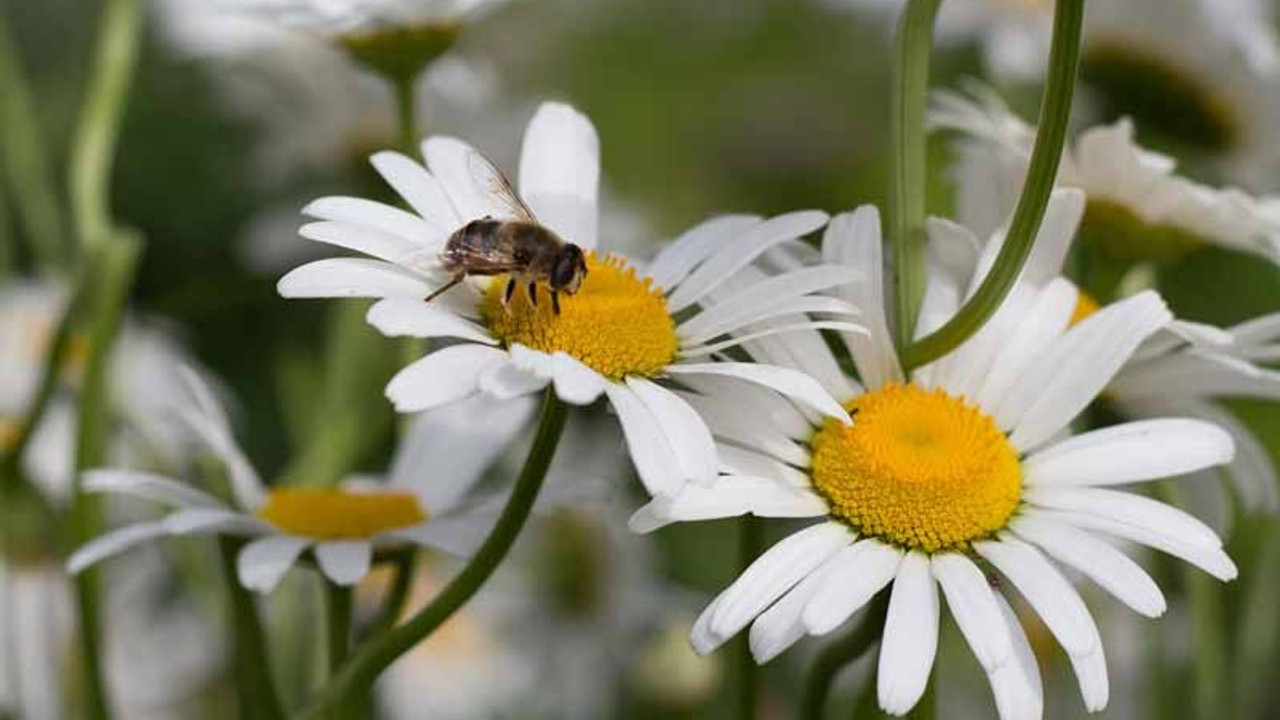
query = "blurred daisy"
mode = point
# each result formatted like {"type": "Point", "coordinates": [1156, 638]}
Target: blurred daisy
{"type": "Point", "coordinates": [960, 467]}
{"type": "Point", "coordinates": [341, 527]}
{"type": "Point", "coordinates": [617, 336]}
{"type": "Point", "coordinates": [1139, 208]}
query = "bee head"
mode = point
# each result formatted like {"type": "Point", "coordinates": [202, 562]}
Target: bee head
{"type": "Point", "coordinates": [569, 270]}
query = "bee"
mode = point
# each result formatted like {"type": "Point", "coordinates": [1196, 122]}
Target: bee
{"type": "Point", "coordinates": [513, 242]}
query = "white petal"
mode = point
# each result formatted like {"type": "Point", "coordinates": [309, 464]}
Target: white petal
{"type": "Point", "coordinates": [200, 521]}
{"type": "Point", "coordinates": [1016, 685]}
{"type": "Point", "coordinates": [1091, 673]}
{"type": "Point", "coordinates": [858, 573]}
{"type": "Point", "coordinates": [450, 161]}
{"type": "Point", "coordinates": [1127, 508]}
{"type": "Point", "coordinates": [654, 460]}
{"type": "Point", "coordinates": [560, 172]}
{"type": "Point", "coordinates": [505, 380]}
{"type": "Point", "coordinates": [1071, 373]}
{"type": "Point", "coordinates": [344, 562]}
{"type": "Point", "coordinates": [418, 188]}
{"type": "Point", "coordinates": [729, 496]}
{"type": "Point", "coordinates": [685, 431]}
{"type": "Point", "coordinates": [263, 562]}
{"type": "Point", "coordinates": [1062, 218]}
{"type": "Point", "coordinates": [746, 249]}
{"type": "Point", "coordinates": [774, 573]}
{"type": "Point", "coordinates": [410, 317]}
{"type": "Point", "coordinates": [686, 252]}
{"type": "Point", "coordinates": [459, 535]}
{"type": "Point", "coordinates": [1132, 452]}
{"type": "Point", "coordinates": [379, 217]}
{"type": "Point", "coordinates": [1046, 589]}
{"type": "Point", "coordinates": [752, 301]}
{"type": "Point", "coordinates": [1047, 318]}
{"type": "Point", "coordinates": [369, 241]}
{"type": "Point", "coordinates": [113, 543]}
{"type": "Point", "coordinates": [779, 627]}
{"type": "Point", "coordinates": [209, 423]}
{"type": "Point", "coordinates": [145, 486]}
{"type": "Point", "coordinates": [576, 383]}
{"type": "Point", "coordinates": [703, 640]}
{"type": "Point", "coordinates": [442, 377]}
{"type": "Point", "coordinates": [791, 383]}
{"type": "Point", "coordinates": [974, 606]}
{"type": "Point", "coordinates": [351, 277]}
{"type": "Point", "coordinates": [445, 453]}
{"type": "Point", "coordinates": [910, 637]}
{"type": "Point", "coordinates": [854, 239]}
{"type": "Point", "coordinates": [1210, 558]}
{"type": "Point", "coordinates": [1095, 559]}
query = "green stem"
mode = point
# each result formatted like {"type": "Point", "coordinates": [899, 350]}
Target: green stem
{"type": "Point", "coordinates": [116, 263]}
{"type": "Point", "coordinates": [839, 654]}
{"type": "Point", "coordinates": [1055, 110]}
{"type": "Point", "coordinates": [99, 128]}
{"type": "Point", "coordinates": [927, 708]}
{"type": "Point", "coordinates": [398, 596]}
{"type": "Point", "coordinates": [750, 544]}
{"type": "Point", "coordinates": [255, 685]}
{"type": "Point", "coordinates": [26, 161]}
{"type": "Point", "coordinates": [406, 113]}
{"type": "Point", "coordinates": [359, 674]}
{"type": "Point", "coordinates": [338, 606]}
{"type": "Point", "coordinates": [908, 170]}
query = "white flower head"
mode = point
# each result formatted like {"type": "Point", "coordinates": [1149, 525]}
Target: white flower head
{"type": "Point", "coordinates": [423, 504]}
{"type": "Point", "coordinates": [621, 334]}
{"type": "Point", "coordinates": [1139, 207]}
{"type": "Point", "coordinates": [959, 472]}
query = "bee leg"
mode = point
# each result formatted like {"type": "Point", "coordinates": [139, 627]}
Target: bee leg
{"type": "Point", "coordinates": [532, 290]}
{"type": "Point", "coordinates": [443, 288]}
{"type": "Point", "coordinates": [506, 296]}
{"type": "Point", "coordinates": [555, 301]}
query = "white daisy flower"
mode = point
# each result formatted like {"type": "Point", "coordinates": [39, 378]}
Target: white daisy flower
{"type": "Point", "coordinates": [624, 330]}
{"type": "Point", "coordinates": [954, 476]}
{"type": "Point", "coordinates": [341, 527]}
{"type": "Point", "coordinates": [1139, 207]}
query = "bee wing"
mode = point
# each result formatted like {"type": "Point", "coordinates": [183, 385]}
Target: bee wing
{"type": "Point", "coordinates": [496, 192]}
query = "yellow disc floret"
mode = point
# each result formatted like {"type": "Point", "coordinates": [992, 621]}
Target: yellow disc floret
{"type": "Point", "coordinates": [917, 468]}
{"type": "Point", "coordinates": [617, 323]}
{"type": "Point", "coordinates": [1085, 306]}
{"type": "Point", "coordinates": [328, 514]}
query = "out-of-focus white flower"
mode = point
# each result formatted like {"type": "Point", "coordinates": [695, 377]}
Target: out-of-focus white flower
{"type": "Point", "coordinates": [342, 527]}
{"type": "Point", "coordinates": [1139, 207]}
{"type": "Point", "coordinates": [961, 462]}
{"type": "Point", "coordinates": [617, 336]}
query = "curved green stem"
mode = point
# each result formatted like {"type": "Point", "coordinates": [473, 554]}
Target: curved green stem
{"type": "Point", "coordinates": [406, 113]}
{"type": "Point", "coordinates": [99, 127]}
{"type": "Point", "coordinates": [398, 596]}
{"type": "Point", "coordinates": [338, 602]}
{"type": "Point", "coordinates": [838, 655]}
{"type": "Point", "coordinates": [358, 675]}
{"type": "Point", "coordinates": [1055, 110]}
{"type": "Point", "coordinates": [750, 544]}
{"type": "Point", "coordinates": [254, 682]}
{"type": "Point", "coordinates": [908, 170]}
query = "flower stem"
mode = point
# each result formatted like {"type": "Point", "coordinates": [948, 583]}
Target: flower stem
{"type": "Point", "coordinates": [839, 654]}
{"type": "Point", "coordinates": [406, 113]}
{"type": "Point", "coordinates": [99, 125]}
{"type": "Point", "coordinates": [908, 170]}
{"type": "Point", "coordinates": [254, 682]}
{"type": "Point", "coordinates": [359, 674]}
{"type": "Point", "coordinates": [1055, 110]}
{"type": "Point", "coordinates": [405, 566]}
{"type": "Point", "coordinates": [338, 603]}
{"type": "Point", "coordinates": [26, 162]}
{"type": "Point", "coordinates": [750, 543]}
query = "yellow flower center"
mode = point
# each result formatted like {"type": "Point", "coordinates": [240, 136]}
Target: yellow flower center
{"type": "Point", "coordinates": [918, 468]}
{"type": "Point", "coordinates": [1085, 306]}
{"type": "Point", "coordinates": [329, 514]}
{"type": "Point", "coordinates": [617, 323]}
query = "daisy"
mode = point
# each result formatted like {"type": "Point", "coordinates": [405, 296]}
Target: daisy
{"type": "Point", "coordinates": [1139, 207]}
{"type": "Point", "coordinates": [627, 327]}
{"type": "Point", "coordinates": [341, 527]}
{"type": "Point", "coordinates": [960, 476]}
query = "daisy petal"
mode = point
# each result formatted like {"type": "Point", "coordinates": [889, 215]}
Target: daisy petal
{"type": "Point", "coordinates": [792, 383]}
{"type": "Point", "coordinates": [1046, 589]}
{"type": "Point", "coordinates": [774, 573]}
{"type": "Point", "coordinates": [145, 486]}
{"type": "Point", "coordinates": [1126, 508]}
{"type": "Point", "coordinates": [1095, 559]}
{"type": "Point", "coordinates": [410, 317]}
{"type": "Point", "coordinates": [686, 252]}
{"type": "Point", "coordinates": [854, 239]}
{"type": "Point", "coordinates": [505, 380]}
{"type": "Point", "coordinates": [575, 383]}
{"type": "Point", "coordinates": [358, 213]}
{"type": "Point", "coordinates": [351, 277]}
{"type": "Point", "coordinates": [560, 172]}
{"type": "Point", "coordinates": [779, 627]}
{"type": "Point", "coordinates": [418, 188]}
{"type": "Point", "coordinates": [858, 572]}
{"type": "Point", "coordinates": [1016, 685]}
{"type": "Point", "coordinates": [686, 433]}
{"type": "Point", "coordinates": [910, 636]}
{"type": "Point", "coordinates": [113, 543]}
{"type": "Point", "coordinates": [1132, 452]}
{"type": "Point", "coordinates": [344, 562]}
{"type": "Point", "coordinates": [973, 605]}
{"type": "Point", "coordinates": [442, 377]}
{"type": "Point", "coordinates": [704, 641]}
{"type": "Point", "coordinates": [263, 562]}
{"type": "Point", "coordinates": [369, 241]}
{"type": "Point", "coordinates": [200, 521]}
{"type": "Point", "coordinates": [655, 462]}
{"type": "Point", "coordinates": [451, 162]}
{"type": "Point", "coordinates": [729, 496]}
